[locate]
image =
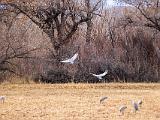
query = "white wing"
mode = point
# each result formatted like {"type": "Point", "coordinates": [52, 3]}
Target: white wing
{"type": "Point", "coordinates": [103, 74]}
{"type": "Point", "coordinates": [66, 61]}
{"type": "Point", "coordinates": [74, 57]}
{"type": "Point", "coordinates": [99, 77]}
{"type": "Point", "coordinates": [95, 75]}
{"type": "Point", "coordinates": [71, 60]}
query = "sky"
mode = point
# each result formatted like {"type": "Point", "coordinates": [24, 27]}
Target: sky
{"type": "Point", "coordinates": [111, 3]}
{"type": "Point", "coordinates": [108, 3]}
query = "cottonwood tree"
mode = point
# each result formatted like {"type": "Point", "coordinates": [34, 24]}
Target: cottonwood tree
{"type": "Point", "coordinates": [11, 49]}
{"type": "Point", "coordinates": [143, 19]}
{"type": "Point", "coordinates": [148, 13]}
{"type": "Point", "coordinates": [59, 19]}
{"type": "Point", "coordinates": [89, 6]}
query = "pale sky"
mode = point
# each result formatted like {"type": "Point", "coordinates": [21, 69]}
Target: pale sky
{"type": "Point", "coordinates": [110, 2]}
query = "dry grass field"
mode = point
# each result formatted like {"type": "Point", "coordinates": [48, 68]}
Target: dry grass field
{"type": "Point", "coordinates": [78, 101]}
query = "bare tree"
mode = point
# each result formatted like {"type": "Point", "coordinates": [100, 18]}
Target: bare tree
{"type": "Point", "coordinates": [59, 20]}
{"type": "Point", "coordinates": [11, 49]}
{"type": "Point", "coordinates": [149, 13]}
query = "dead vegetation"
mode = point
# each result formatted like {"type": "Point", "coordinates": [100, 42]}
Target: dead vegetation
{"type": "Point", "coordinates": [78, 101]}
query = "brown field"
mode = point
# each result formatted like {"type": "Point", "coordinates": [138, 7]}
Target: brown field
{"type": "Point", "coordinates": [78, 101]}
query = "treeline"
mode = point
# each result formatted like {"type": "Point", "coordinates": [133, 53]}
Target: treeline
{"type": "Point", "coordinates": [35, 36]}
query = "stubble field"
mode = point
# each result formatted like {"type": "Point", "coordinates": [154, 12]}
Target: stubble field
{"type": "Point", "coordinates": [78, 101]}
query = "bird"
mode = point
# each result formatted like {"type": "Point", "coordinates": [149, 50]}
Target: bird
{"type": "Point", "coordinates": [135, 106]}
{"type": "Point", "coordinates": [2, 98]}
{"type": "Point", "coordinates": [139, 102]}
{"type": "Point", "coordinates": [102, 99]}
{"type": "Point", "coordinates": [71, 60]}
{"type": "Point", "coordinates": [100, 75]}
{"type": "Point", "coordinates": [122, 108]}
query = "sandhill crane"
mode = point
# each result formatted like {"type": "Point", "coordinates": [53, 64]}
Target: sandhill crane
{"type": "Point", "coordinates": [2, 98]}
{"type": "Point", "coordinates": [135, 106]}
{"type": "Point", "coordinates": [71, 60]}
{"type": "Point", "coordinates": [102, 99]}
{"type": "Point", "coordinates": [100, 75]}
{"type": "Point", "coordinates": [122, 108]}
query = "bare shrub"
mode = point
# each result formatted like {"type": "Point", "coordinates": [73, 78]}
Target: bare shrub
{"type": "Point", "coordinates": [56, 76]}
